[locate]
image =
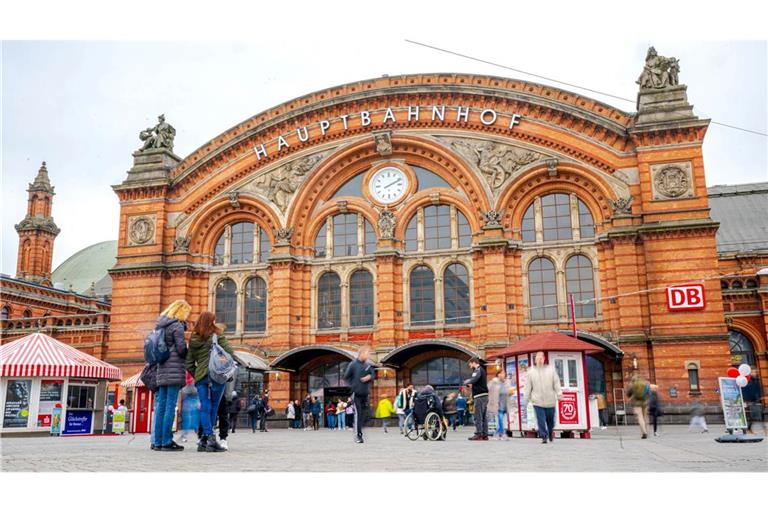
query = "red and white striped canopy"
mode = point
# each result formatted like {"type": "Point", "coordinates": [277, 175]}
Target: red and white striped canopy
{"type": "Point", "coordinates": [39, 355]}
{"type": "Point", "coordinates": [134, 381]}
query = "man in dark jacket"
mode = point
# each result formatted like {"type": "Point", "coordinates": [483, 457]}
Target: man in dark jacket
{"type": "Point", "coordinates": [753, 395]}
{"type": "Point", "coordinates": [479, 384]}
{"type": "Point", "coordinates": [359, 375]}
{"type": "Point", "coordinates": [306, 411]}
{"type": "Point", "coordinates": [234, 409]}
{"type": "Point", "coordinates": [263, 410]}
{"type": "Point", "coordinates": [170, 379]}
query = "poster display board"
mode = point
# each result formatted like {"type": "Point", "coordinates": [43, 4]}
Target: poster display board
{"type": "Point", "coordinates": [118, 421]}
{"type": "Point", "coordinates": [56, 420]}
{"type": "Point", "coordinates": [17, 398]}
{"type": "Point", "coordinates": [50, 395]}
{"type": "Point", "coordinates": [567, 409]}
{"type": "Point", "coordinates": [732, 403]}
{"type": "Point", "coordinates": [78, 422]}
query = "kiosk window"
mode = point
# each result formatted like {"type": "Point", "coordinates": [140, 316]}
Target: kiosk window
{"type": "Point", "coordinates": [80, 397]}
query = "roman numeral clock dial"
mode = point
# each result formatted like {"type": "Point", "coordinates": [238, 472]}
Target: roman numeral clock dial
{"type": "Point", "coordinates": [388, 185]}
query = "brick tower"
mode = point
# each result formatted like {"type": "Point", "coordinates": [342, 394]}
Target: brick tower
{"type": "Point", "coordinates": [37, 232]}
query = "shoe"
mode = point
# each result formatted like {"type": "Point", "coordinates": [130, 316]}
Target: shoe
{"type": "Point", "coordinates": [655, 434]}
{"type": "Point", "coordinates": [385, 430]}
{"type": "Point", "coordinates": [213, 445]}
{"type": "Point", "coordinates": [173, 447]}
{"type": "Point", "coordinates": [201, 444]}
{"type": "Point", "coordinates": [223, 444]}
{"type": "Point", "coordinates": [359, 440]}
{"type": "Point", "coordinates": [705, 431]}
{"type": "Point", "coordinates": [544, 440]}
{"type": "Point", "coordinates": [476, 437]}
{"type": "Point", "coordinates": [485, 438]}
{"type": "Point", "coordinates": [154, 447]}
{"type": "Point", "coordinates": [603, 427]}
{"type": "Point", "coordinates": [551, 437]}
{"type": "Point", "coordinates": [644, 436]}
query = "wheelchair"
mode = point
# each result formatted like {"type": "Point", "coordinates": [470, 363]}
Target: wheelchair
{"type": "Point", "coordinates": [426, 420]}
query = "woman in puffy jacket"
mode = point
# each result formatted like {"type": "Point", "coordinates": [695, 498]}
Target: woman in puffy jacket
{"type": "Point", "coordinates": [170, 375]}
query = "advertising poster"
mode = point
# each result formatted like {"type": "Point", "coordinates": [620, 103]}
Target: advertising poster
{"type": "Point", "coordinates": [56, 420]}
{"type": "Point", "coordinates": [50, 395]}
{"type": "Point", "coordinates": [527, 414]}
{"type": "Point", "coordinates": [118, 421]}
{"type": "Point", "coordinates": [513, 402]}
{"type": "Point", "coordinates": [568, 411]}
{"type": "Point", "coordinates": [78, 422]}
{"type": "Point", "coordinates": [16, 413]}
{"type": "Point", "coordinates": [733, 403]}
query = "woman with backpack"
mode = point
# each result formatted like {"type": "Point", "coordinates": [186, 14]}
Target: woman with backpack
{"type": "Point", "coordinates": [170, 375]}
{"type": "Point", "coordinates": [201, 344]}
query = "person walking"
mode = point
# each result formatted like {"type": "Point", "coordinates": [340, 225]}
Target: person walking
{"type": "Point", "coordinates": [461, 409]}
{"type": "Point", "coordinates": [479, 384]}
{"type": "Point", "coordinates": [253, 412]}
{"type": "Point", "coordinates": [602, 411]}
{"type": "Point", "coordinates": [349, 413]}
{"type": "Point", "coordinates": [638, 392]}
{"type": "Point", "coordinates": [450, 411]}
{"type": "Point", "coordinates": [341, 414]}
{"type": "Point", "coordinates": [753, 397]}
{"type": "Point", "coordinates": [498, 403]}
{"type": "Point", "coordinates": [298, 419]}
{"type": "Point", "coordinates": [290, 415]}
{"type": "Point", "coordinates": [306, 412]}
{"type": "Point", "coordinates": [542, 389]}
{"type": "Point", "coordinates": [234, 409]}
{"type": "Point", "coordinates": [316, 409]}
{"type": "Point", "coordinates": [170, 375]}
{"type": "Point", "coordinates": [697, 418]}
{"type": "Point", "coordinates": [655, 408]}
{"type": "Point", "coordinates": [359, 375]}
{"type": "Point", "coordinates": [330, 415]}
{"type": "Point", "coordinates": [209, 391]}
{"type": "Point", "coordinates": [265, 411]}
{"type": "Point", "coordinates": [384, 411]}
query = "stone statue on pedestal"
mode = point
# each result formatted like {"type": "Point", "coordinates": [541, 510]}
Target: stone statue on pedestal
{"type": "Point", "coordinates": [159, 136]}
{"type": "Point", "coordinates": [659, 72]}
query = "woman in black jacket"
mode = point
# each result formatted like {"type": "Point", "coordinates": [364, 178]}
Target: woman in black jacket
{"type": "Point", "coordinates": [654, 407]}
{"type": "Point", "coordinates": [170, 375]}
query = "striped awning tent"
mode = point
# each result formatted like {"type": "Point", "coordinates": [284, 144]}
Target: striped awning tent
{"type": "Point", "coordinates": [134, 381]}
{"type": "Point", "coordinates": [39, 355]}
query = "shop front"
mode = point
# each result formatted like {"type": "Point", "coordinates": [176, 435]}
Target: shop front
{"type": "Point", "coordinates": [140, 402]}
{"type": "Point", "coordinates": [48, 386]}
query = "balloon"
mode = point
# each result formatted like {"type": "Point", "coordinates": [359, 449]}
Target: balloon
{"type": "Point", "coordinates": [744, 369]}
{"type": "Point", "coordinates": [732, 372]}
{"type": "Point", "coordinates": [741, 381]}
{"type": "Point", "coordinates": [749, 377]}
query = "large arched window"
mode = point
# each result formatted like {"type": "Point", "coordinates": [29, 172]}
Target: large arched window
{"type": "Point", "coordinates": [441, 225]}
{"type": "Point", "coordinates": [412, 235]}
{"type": "Point", "coordinates": [440, 372]}
{"type": "Point", "coordinates": [218, 252]}
{"type": "Point", "coordinates": [329, 301]}
{"type": "Point", "coordinates": [351, 234]}
{"type": "Point", "coordinates": [586, 223]}
{"type": "Point", "coordinates": [5, 313]}
{"type": "Point", "coordinates": [437, 227]}
{"type": "Point", "coordinates": [345, 234]}
{"type": "Point", "coordinates": [580, 284]}
{"type": "Point", "coordinates": [554, 222]}
{"type": "Point", "coordinates": [456, 294]}
{"type": "Point", "coordinates": [255, 308]}
{"type": "Point", "coordinates": [226, 303]}
{"type": "Point", "coordinates": [422, 295]}
{"type": "Point", "coordinates": [237, 245]}
{"type": "Point", "coordinates": [742, 350]}
{"type": "Point", "coordinates": [542, 291]}
{"type": "Point", "coordinates": [242, 243]}
{"type": "Point", "coordinates": [556, 217]}
{"type": "Point", "coordinates": [361, 299]}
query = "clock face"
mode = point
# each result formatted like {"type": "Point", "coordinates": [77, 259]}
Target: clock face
{"type": "Point", "coordinates": [388, 185]}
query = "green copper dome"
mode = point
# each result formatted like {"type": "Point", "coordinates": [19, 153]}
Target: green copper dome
{"type": "Point", "coordinates": [89, 265]}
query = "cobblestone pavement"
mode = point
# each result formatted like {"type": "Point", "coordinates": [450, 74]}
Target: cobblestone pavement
{"type": "Point", "coordinates": [283, 450]}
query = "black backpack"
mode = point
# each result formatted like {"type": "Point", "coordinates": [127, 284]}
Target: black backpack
{"type": "Point", "coordinates": [149, 377]}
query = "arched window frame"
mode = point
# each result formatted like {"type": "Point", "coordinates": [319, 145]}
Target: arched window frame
{"type": "Point", "coordinates": [327, 237]}
{"type": "Point", "coordinates": [450, 224]}
{"type": "Point", "coordinates": [537, 310]}
{"type": "Point", "coordinates": [692, 371]}
{"type": "Point", "coordinates": [255, 308]}
{"type": "Point", "coordinates": [461, 311]}
{"type": "Point", "coordinates": [329, 302]}
{"type": "Point", "coordinates": [362, 310]}
{"type": "Point", "coordinates": [578, 222]}
{"type": "Point", "coordinates": [739, 344]}
{"type": "Point", "coordinates": [421, 297]}
{"type": "Point", "coordinates": [225, 314]}
{"type": "Point", "coordinates": [260, 244]}
{"type": "Point", "coordinates": [583, 287]}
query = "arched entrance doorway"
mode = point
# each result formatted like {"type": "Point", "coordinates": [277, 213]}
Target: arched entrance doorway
{"type": "Point", "coordinates": [317, 370]}
{"type": "Point", "coordinates": [742, 350]}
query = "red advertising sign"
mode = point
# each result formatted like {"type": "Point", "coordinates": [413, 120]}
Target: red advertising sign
{"type": "Point", "coordinates": [686, 297]}
{"type": "Point", "coordinates": [568, 409]}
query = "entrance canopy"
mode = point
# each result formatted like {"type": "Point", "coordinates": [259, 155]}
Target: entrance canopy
{"type": "Point", "coordinates": [250, 361]}
{"type": "Point", "coordinates": [549, 341]}
{"type": "Point", "coordinates": [134, 381]}
{"type": "Point", "coordinates": [39, 355]}
{"type": "Point", "coordinates": [405, 352]}
{"type": "Point", "coordinates": [597, 340]}
{"type": "Point", "coordinates": [297, 357]}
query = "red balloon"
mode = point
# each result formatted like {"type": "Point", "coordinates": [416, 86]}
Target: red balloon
{"type": "Point", "coordinates": [733, 372]}
{"type": "Point", "coordinates": [749, 377]}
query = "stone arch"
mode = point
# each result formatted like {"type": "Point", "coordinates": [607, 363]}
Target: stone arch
{"type": "Point", "coordinates": [754, 336]}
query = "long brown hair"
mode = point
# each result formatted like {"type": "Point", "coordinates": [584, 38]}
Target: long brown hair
{"type": "Point", "coordinates": [205, 325]}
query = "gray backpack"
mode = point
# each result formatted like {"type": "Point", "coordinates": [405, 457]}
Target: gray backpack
{"type": "Point", "coordinates": [221, 365]}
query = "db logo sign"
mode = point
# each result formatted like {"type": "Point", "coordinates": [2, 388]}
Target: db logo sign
{"type": "Point", "coordinates": [569, 413]}
{"type": "Point", "coordinates": [686, 297]}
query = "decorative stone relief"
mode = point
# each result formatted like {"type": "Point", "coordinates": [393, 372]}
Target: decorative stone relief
{"type": "Point", "coordinates": [621, 206]}
{"type": "Point", "coordinates": [283, 236]}
{"type": "Point", "coordinates": [493, 218]}
{"type": "Point", "coordinates": [386, 224]}
{"type": "Point", "coordinates": [672, 181]}
{"type": "Point", "coordinates": [281, 183]}
{"type": "Point", "coordinates": [234, 199]}
{"type": "Point", "coordinates": [141, 230]}
{"type": "Point", "coordinates": [552, 167]}
{"type": "Point", "coordinates": [181, 244]}
{"type": "Point", "coordinates": [495, 161]}
{"type": "Point", "coordinates": [383, 143]}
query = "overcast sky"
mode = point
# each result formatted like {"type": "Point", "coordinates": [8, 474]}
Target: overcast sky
{"type": "Point", "coordinates": [80, 105]}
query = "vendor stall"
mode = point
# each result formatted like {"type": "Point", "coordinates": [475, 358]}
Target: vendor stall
{"type": "Point", "coordinates": [49, 386]}
{"type": "Point", "coordinates": [567, 355]}
{"type": "Point", "coordinates": [141, 405]}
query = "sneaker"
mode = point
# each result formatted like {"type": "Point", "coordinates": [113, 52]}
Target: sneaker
{"type": "Point", "coordinates": [644, 436]}
{"type": "Point", "coordinates": [173, 447]}
{"type": "Point", "coordinates": [154, 447]}
{"type": "Point", "coordinates": [359, 440]}
{"type": "Point", "coordinates": [705, 431]}
{"type": "Point", "coordinates": [551, 437]}
{"type": "Point", "coordinates": [213, 446]}
{"type": "Point", "coordinates": [543, 440]}
{"type": "Point", "coordinates": [223, 444]}
{"type": "Point", "coordinates": [476, 437]}
{"type": "Point", "coordinates": [655, 434]}
{"type": "Point", "coordinates": [603, 427]}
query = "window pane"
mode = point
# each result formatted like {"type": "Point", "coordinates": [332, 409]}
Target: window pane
{"type": "Point", "coordinates": [573, 378]}
{"type": "Point", "coordinates": [559, 370]}
{"type": "Point", "coordinates": [528, 226]}
{"type": "Point", "coordinates": [361, 299]}
{"type": "Point", "coordinates": [242, 243]}
{"type": "Point", "coordinates": [411, 235]}
{"type": "Point", "coordinates": [586, 224]}
{"type": "Point", "coordinates": [218, 252]}
{"type": "Point", "coordinates": [265, 246]}
{"type": "Point", "coordinates": [456, 294]}
{"type": "Point", "coordinates": [345, 234]}
{"type": "Point", "coordinates": [579, 283]}
{"type": "Point", "coordinates": [465, 233]}
{"type": "Point", "coordinates": [320, 241]}
{"type": "Point", "coordinates": [329, 301]}
{"type": "Point", "coordinates": [226, 304]}
{"type": "Point", "coordinates": [556, 216]}
{"type": "Point", "coordinates": [422, 295]}
{"type": "Point", "coordinates": [542, 290]}
{"type": "Point", "coordinates": [370, 238]}
{"type": "Point", "coordinates": [256, 305]}
{"type": "Point", "coordinates": [437, 227]}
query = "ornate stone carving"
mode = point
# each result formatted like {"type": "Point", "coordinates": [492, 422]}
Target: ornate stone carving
{"type": "Point", "coordinates": [493, 218]}
{"type": "Point", "coordinates": [494, 160]}
{"type": "Point", "coordinates": [280, 184]}
{"type": "Point", "coordinates": [283, 236]}
{"type": "Point", "coordinates": [158, 137]}
{"type": "Point", "coordinates": [383, 143]}
{"type": "Point", "coordinates": [234, 199]}
{"type": "Point", "coordinates": [672, 181]}
{"type": "Point", "coordinates": [659, 72]}
{"type": "Point", "coordinates": [38, 223]}
{"type": "Point", "coordinates": [141, 230]}
{"type": "Point", "coordinates": [181, 244]}
{"type": "Point", "coordinates": [621, 206]}
{"type": "Point", "coordinates": [552, 167]}
{"type": "Point", "coordinates": [386, 224]}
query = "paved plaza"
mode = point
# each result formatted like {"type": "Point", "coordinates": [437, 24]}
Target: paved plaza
{"type": "Point", "coordinates": [284, 450]}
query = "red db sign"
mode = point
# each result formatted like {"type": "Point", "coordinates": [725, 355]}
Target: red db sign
{"type": "Point", "coordinates": [686, 297]}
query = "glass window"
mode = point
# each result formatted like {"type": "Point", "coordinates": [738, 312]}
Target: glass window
{"type": "Point", "coordinates": [422, 295]}
{"type": "Point", "coordinates": [437, 227]}
{"type": "Point", "coordinates": [742, 351]}
{"type": "Point", "coordinates": [265, 246]}
{"type": "Point", "coordinates": [751, 283]}
{"type": "Point", "coordinates": [595, 375]}
{"type": "Point", "coordinates": [345, 234]}
{"type": "Point", "coordinates": [573, 378]}
{"type": "Point", "coordinates": [559, 370]}
{"type": "Point", "coordinates": [328, 375]}
{"type": "Point", "coordinates": [352, 188]}
{"type": "Point", "coordinates": [411, 235]}
{"type": "Point", "coordinates": [242, 243]}
{"type": "Point", "coordinates": [737, 285]}
{"type": "Point", "coordinates": [456, 294]}
{"type": "Point", "coordinates": [80, 397]}
{"type": "Point", "coordinates": [329, 301]}
{"type": "Point", "coordinates": [541, 290]}
{"type": "Point", "coordinates": [529, 225]}
{"type": "Point", "coordinates": [440, 371]}
{"type": "Point", "coordinates": [370, 238]}
{"type": "Point", "coordinates": [586, 224]}
{"type": "Point", "coordinates": [218, 252]}
{"type": "Point", "coordinates": [723, 285]}
{"type": "Point", "coordinates": [5, 313]}
{"type": "Point", "coordinates": [320, 241]}
{"type": "Point", "coordinates": [579, 283]}
{"type": "Point", "coordinates": [693, 377]}
{"type": "Point", "coordinates": [226, 303]}
{"type": "Point", "coordinates": [556, 217]}
{"type": "Point", "coordinates": [361, 299]}
{"type": "Point", "coordinates": [428, 179]}
{"type": "Point", "coordinates": [256, 305]}
{"type": "Point", "coordinates": [465, 233]}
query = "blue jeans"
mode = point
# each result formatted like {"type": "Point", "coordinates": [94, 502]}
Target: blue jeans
{"type": "Point", "coordinates": [545, 418]}
{"type": "Point", "coordinates": [254, 417]}
{"type": "Point", "coordinates": [501, 425]}
{"type": "Point", "coordinates": [342, 421]}
{"type": "Point", "coordinates": [330, 420]}
{"type": "Point", "coordinates": [210, 394]}
{"type": "Point", "coordinates": [461, 416]}
{"type": "Point", "coordinates": [165, 413]}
